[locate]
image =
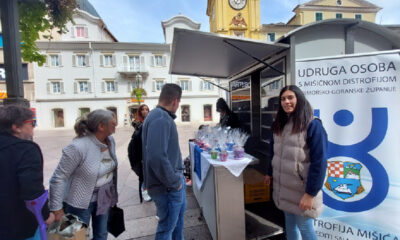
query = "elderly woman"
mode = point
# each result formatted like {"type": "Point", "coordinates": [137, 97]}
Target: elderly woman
{"type": "Point", "coordinates": [85, 181]}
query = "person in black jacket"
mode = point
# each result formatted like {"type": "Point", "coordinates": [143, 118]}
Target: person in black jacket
{"type": "Point", "coordinates": [135, 150]}
{"type": "Point", "coordinates": [228, 118]}
{"type": "Point", "coordinates": [21, 174]}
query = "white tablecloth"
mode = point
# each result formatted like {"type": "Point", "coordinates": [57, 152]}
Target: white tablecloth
{"type": "Point", "coordinates": [234, 166]}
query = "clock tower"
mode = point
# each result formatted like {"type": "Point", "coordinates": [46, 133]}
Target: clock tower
{"type": "Point", "coordinates": [239, 18]}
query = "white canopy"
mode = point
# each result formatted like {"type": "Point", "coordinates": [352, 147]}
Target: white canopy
{"type": "Point", "coordinates": [204, 54]}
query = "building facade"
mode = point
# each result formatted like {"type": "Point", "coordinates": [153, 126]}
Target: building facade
{"type": "Point", "coordinates": [239, 18]}
{"type": "Point", "coordinates": [87, 69]}
{"type": "Point", "coordinates": [317, 10]}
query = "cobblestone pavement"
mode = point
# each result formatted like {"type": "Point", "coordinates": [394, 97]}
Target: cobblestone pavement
{"type": "Point", "coordinates": [140, 221]}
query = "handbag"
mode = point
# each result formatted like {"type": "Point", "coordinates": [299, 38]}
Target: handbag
{"type": "Point", "coordinates": [116, 223]}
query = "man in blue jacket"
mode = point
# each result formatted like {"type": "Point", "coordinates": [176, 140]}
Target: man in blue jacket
{"type": "Point", "coordinates": [21, 174]}
{"type": "Point", "coordinates": [162, 164]}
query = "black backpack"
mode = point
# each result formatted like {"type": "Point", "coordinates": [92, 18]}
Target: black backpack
{"type": "Point", "coordinates": [135, 152]}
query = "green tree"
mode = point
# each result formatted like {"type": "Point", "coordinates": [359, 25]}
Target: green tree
{"type": "Point", "coordinates": [41, 16]}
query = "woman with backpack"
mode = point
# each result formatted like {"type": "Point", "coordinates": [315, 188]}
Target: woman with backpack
{"type": "Point", "coordinates": [299, 158]}
{"type": "Point", "coordinates": [135, 149]}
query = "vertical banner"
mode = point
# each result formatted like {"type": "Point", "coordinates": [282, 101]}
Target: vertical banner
{"type": "Point", "coordinates": [357, 98]}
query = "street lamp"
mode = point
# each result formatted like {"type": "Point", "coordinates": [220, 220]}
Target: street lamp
{"type": "Point", "coordinates": [138, 78]}
{"type": "Point", "coordinates": [138, 92]}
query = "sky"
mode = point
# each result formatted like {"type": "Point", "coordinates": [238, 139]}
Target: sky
{"type": "Point", "coordinates": [140, 20]}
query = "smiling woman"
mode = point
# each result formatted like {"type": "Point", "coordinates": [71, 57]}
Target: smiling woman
{"type": "Point", "coordinates": [89, 162]}
{"type": "Point", "coordinates": [299, 154]}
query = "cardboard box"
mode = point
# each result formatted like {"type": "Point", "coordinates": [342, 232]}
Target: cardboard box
{"type": "Point", "coordinates": [254, 188]}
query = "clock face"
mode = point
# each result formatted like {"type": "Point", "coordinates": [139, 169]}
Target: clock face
{"type": "Point", "coordinates": [237, 4]}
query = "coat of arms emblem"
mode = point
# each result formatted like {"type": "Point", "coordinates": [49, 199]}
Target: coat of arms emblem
{"type": "Point", "coordinates": [344, 179]}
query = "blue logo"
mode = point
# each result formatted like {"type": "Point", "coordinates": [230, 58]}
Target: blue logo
{"type": "Point", "coordinates": [346, 186]}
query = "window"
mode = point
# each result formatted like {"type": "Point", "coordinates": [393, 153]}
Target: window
{"type": "Point", "coordinates": [358, 16]}
{"type": "Point", "coordinates": [80, 31]}
{"type": "Point", "coordinates": [339, 15]}
{"type": "Point", "coordinates": [83, 86]}
{"type": "Point", "coordinates": [318, 16]}
{"type": "Point", "coordinates": [339, 2]}
{"type": "Point", "coordinates": [271, 37]}
{"type": "Point", "coordinates": [207, 112]}
{"type": "Point", "coordinates": [54, 60]}
{"type": "Point", "coordinates": [81, 60]}
{"type": "Point", "coordinates": [134, 63]}
{"type": "Point", "coordinates": [158, 60]}
{"type": "Point", "coordinates": [159, 85]}
{"type": "Point", "coordinates": [207, 86]}
{"type": "Point", "coordinates": [184, 85]}
{"type": "Point", "coordinates": [134, 84]}
{"type": "Point", "coordinates": [185, 113]}
{"type": "Point", "coordinates": [56, 87]}
{"type": "Point", "coordinates": [110, 86]}
{"type": "Point", "coordinates": [58, 117]}
{"type": "Point", "coordinates": [275, 85]}
{"type": "Point", "coordinates": [108, 61]}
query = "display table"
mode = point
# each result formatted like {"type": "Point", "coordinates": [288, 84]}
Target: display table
{"type": "Point", "coordinates": [220, 194]}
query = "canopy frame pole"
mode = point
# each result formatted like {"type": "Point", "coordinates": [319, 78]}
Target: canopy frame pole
{"type": "Point", "coordinates": [248, 54]}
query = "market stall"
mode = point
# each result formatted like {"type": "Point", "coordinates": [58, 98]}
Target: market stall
{"type": "Point", "coordinates": [255, 72]}
{"type": "Point", "coordinates": [219, 186]}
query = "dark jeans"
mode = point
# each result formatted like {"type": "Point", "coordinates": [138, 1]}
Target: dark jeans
{"type": "Point", "coordinates": [99, 223]}
{"type": "Point", "coordinates": [171, 208]}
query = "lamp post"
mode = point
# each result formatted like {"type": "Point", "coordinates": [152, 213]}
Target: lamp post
{"type": "Point", "coordinates": [138, 78]}
{"type": "Point", "coordinates": [12, 53]}
{"type": "Point", "coordinates": [138, 91]}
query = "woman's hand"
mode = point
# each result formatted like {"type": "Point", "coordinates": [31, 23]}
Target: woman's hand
{"type": "Point", "coordinates": [58, 214]}
{"type": "Point", "coordinates": [306, 202]}
{"type": "Point", "coordinates": [50, 219]}
{"type": "Point", "coordinates": [267, 180]}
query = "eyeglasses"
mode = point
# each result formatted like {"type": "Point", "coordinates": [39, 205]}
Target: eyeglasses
{"type": "Point", "coordinates": [31, 121]}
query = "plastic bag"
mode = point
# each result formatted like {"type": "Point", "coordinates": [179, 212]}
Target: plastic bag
{"type": "Point", "coordinates": [69, 228]}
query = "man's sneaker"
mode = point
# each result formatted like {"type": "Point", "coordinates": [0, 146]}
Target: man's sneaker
{"type": "Point", "coordinates": [146, 196]}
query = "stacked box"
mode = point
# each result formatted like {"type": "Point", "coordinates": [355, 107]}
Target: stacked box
{"type": "Point", "coordinates": [254, 188]}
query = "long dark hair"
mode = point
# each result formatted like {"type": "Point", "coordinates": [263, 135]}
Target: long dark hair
{"type": "Point", "coordinates": [301, 116]}
{"type": "Point", "coordinates": [223, 106]}
{"type": "Point", "coordinates": [139, 116]}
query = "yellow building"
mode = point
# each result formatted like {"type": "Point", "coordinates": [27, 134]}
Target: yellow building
{"type": "Point", "coordinates": [317, 10]}
{"type": "Point", "coordinates": [239, 18]}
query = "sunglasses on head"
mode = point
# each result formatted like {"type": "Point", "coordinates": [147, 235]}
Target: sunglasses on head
{"type": "Point", "coordinates": [31, 121]}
